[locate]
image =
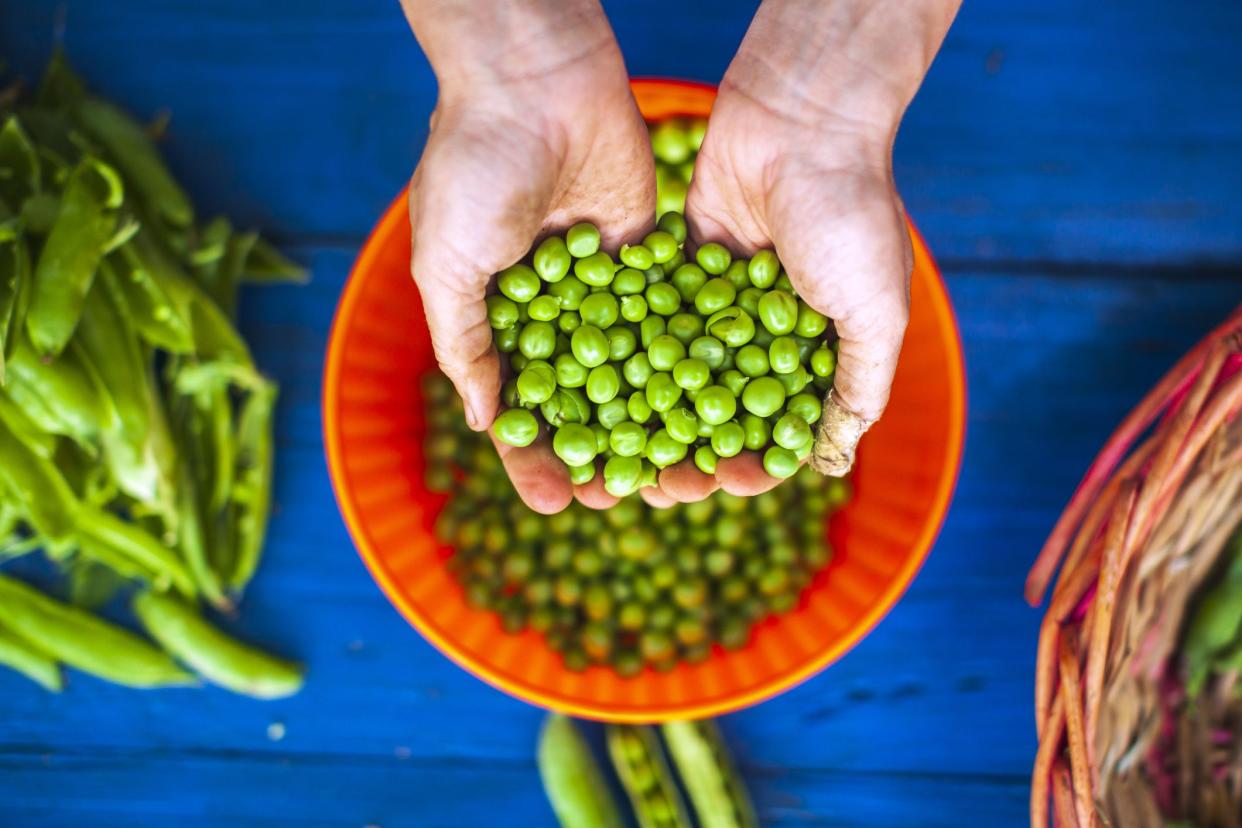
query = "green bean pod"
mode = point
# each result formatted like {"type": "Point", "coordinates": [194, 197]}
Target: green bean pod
{"type": "Point", "coordinates": [252, 493]}
{"type": "Point", "coordinates": [220, 659]}
{"type": "Point", "coordinates": [19, 654]}
{"type": "Point", "coordinates": [134, 154]}
{"type": "Point", "coordinates": [84, 642]}
{"type": "Point", "coordinates": [699, 752]}
{"type": "Point", "coordinates": [572, 778]}
{"type": "Point", "coordinates": [71, 254]}
{"type": "Point", "coordinates": [640, 764]}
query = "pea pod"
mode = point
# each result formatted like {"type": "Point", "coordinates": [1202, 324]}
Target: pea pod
{"type": "Point", "coordinates": [252, 493]}
{"type": "Point", "coordinates": [1217, 622]}
{"type": "Point", "coordinates": [160, 320]}
{"type": "Point", "coordinates": [71, 255]}
{"type": "Point", "coordinates": [14, 279]}
{"type": "Point", "coordinates": [128, 147]}
{"type": "Point", "coordinates": [61, 86]}
{"type": "Point", "coordinates": [19, 654]}
{"type": "Point", "coordinates": [82, 641]}
{"type": "Point", "coordinates": [222, 660]}
{"type": "Point", "coordinates": [20, 172]}
{"type": "Point", "coordinates": [132, 541]}
{"type": "Point", "coordinates": [640, 764]}
{"type": "Point", "coordinates": [572, 779]}
{"type": "Point", "coordinates": [267, 264]}
{"type": "Point", "coordinates": [60, 395]}
{"type": "Point", "coordinates": [25, 430]}
{"type": "Point", "coordinates": [699, 752]}
{"type": "Point", "coordinates": [192, 539]}
{"type": "Point", "coordinates": [45, 499]}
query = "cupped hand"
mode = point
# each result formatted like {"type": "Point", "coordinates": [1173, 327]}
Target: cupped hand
{"type": "Point", "coordinates": [819, 189]}
{"type": "Point", "coordinates": [503, 166]}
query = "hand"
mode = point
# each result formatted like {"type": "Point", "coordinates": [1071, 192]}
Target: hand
{"type": "Point", "coordinates": [507, 161]}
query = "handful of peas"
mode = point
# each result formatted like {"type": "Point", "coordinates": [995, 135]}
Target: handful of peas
{"type": "Point", "coordinates": [654, 358]}
{"type": "Point", "coordinates": [633, 586]}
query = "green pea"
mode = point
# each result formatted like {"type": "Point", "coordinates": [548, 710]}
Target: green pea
{"type": "Point", "coordinates": [679, 259]}
{"type": "Point", "coordinates": [778, 311]}
{"type": "Point", "coordinates": [763, 337]}
{"type": "Point", "coordinates": [544, 308]}
{"type": "Point", "coordinates": [691, 374]}
{"type": "Point", "coordinates": [823, 362]}
{"type": "Point", "coordinates": [804, 451]}
{"type": "Point", "coordinates": [685, 327]}
{"type": "Point", "coordinates": [662, 392]}
{"type": "Point", "coordinates": [674, 224]}
{"type": "Point", "coordinates": [622, 343]}
{"type": "Point", "coordinates": [716, 405]}
{"type": "Point", "coordinates": [728, 439]}
{"type": "Point", "coordinates": [637, 370]}
{"type": "Point", "coordinates": [590, 346]}
{"type": "Point", "coordinates": [705, 428]}
{"type": "Point", "coordinates": [810, 322]}
{"type": "Point", "coordinates": [602, 384]}
{"type": "Point", "coordinates": [663, 451]}
{"type": "Point", "coordinates": [714, 258]}
{"type": "Point", "coordinates": [638, 408]}
{"type": "Point", "coordinates": [795, 380]}
{"type": "Point", "coordinates": [600, 310]}
{"type": "Point", "coordinates": [748, 300]}
{"type": "Point", "coordinates": [628, 439]}
{"type": "Point", "coordinates": [705, 459]}
{"type": "Point", "coordinates": [570, 373]}
{"type": "Point", "coordinates": [791, 432]}
{"type": "Point", "coordinates": [509, 394]}
{"type": "Point", "coordinates": [633, 308]}
{"type": "Point", "coordinates": [537, 340]}
{"type": "Point", "coordinates": [752, 361]}
{"type": "Point", "coordinates": [536, 383]}
{"type": "Point", "coordinates": [611, 413]}
{"type": "Point", "coordinates": [601, 438]}
{"type": "Point", "coordinates": [672, 195]}
{"type": "Point", "coordinates": [783, 355]}
{"type": "Point", "coordinates": [582, 240]}
{"type": "Point", "coordinates": [734, 380]}
{"type": "Point", "coordinates": [669, 142]}
{"type": "Point", "coordinates": [665, 352]}
{"type": "Point", "coordinates": [779, 462]}
{"type": "Point", "coordinates": [571, 292]}
{"type": "Point", "coordinates": [689, 279]}
{"type": "Point", "coordinates": [516, 427]}
{"type": "Point", "coordinates": [519, 283]}
{"type": "Point", "coordinates": [732, 326]}
{"type": "Point", "coordinates": [650, 328]}
{"type": "Point", "coordinates": [756, 432]}
{"type": "Point", "coordinates": [682, 425]}
{"type": "Point", "coordinates": [735, 274]}
{"type": "Point", "coordinates": [518, 362]}
{"type": "Point", "coordinates": [595, 270]}
{"type": "Point", "coordinates": [506, 340]}
{"type": "Point", "coordinates": [663, 246]}
{"type": "Point", "coordinates": [806, 406]}
{"type": "Point", "coordinates": [763, 396]}
{"type": "Point", "coordinates": [636, 256]}
{"type": "Point", "coordinates": [763, 269]}
{"type": "Point", "coordinates": [502, 312]}
{"type": "Point", "coordinates": [783, 283]}
{"type": "Point", "coordinates": [551, 259]}
{"type": "Point", "coordinates": [575, 444]}
{"type": "Point", "coordinates": [629, 282]}
{"type": "Point", "coordinates": [663, 298]}
{"type": "Point", "coordinates": [566, 405]}
{"type": "Point", "coordinates": [709, 350]}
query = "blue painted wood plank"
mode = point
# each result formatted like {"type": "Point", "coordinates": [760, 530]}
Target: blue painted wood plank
{"type": "Point", "coordinates": [1045, 131]}
{"type": "Point", "coordinates": [139, 790]}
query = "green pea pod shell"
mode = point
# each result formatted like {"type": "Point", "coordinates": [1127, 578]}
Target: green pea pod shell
{"type": "Point", "coordinates": [699, 753]}
{"type": "Point", "coordinates": [46, 500]}
{"type": "Point", "coordinates": [221, 660]}
{"type": "Point", "coordinates": [84, 642]}
{"type": "Point", "coordinates": [19, 654]}
{"type": "Point", "coordinates": [645, 775]}
{"type": "Point", "coordinates": [14, 278]}
{"type": "Point", "coordinates": [252, 494]}
{"type": "Point", "coordinates": [572, 779]}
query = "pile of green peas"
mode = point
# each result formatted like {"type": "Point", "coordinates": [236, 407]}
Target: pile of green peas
{"type": "Point", "coordinates": [646, 361]}
{"type": "Point", "coordinates": [633, 586]}
{"type": "Point", "coordinates": [675, 143]}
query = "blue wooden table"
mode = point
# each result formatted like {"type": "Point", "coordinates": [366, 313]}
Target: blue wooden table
{"type": "Point", "coordinates": [1075, 169]}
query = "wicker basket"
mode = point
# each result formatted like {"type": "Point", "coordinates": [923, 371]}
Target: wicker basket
{"type": "Point", "coordinates": [1138, 539]}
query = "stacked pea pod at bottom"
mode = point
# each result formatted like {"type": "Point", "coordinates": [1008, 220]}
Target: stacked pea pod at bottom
{"type": "Point", "coordinates": [135, 430]}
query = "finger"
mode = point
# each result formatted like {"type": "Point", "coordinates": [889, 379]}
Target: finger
{"type": "Point", "coordinates": [593, 495]}
{"type": "Point", "coordinates": [656, 498]}
{"type": "Point", "coordinates": [684, 482]}
{"type": "Point", "coordinates": [452, 295]}
{"type": "Point", "coordinates": [538, 475]}
{"type": "Point", "coordinates": [743, 475]}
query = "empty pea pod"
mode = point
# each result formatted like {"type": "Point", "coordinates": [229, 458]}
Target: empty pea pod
{"type": "Point", "coordinates": [698, 752]}
{"type": "Point", "coordinates": [252, 491]}
{"type": "Point", "coordinates": [645, 775]}
{"type": "Point", "coordinates": [217, 657]}
{"type": "Point", "coordinates": [84, 642]}
{"type": "Point", "coordinates": [572, 779]}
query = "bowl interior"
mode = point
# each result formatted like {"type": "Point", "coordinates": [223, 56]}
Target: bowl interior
{"type": "Point", "coordinates": [373, 422]}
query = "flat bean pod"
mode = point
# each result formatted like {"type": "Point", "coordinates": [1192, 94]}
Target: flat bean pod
{"type": "Point", "coordinates": [85, 642]}
{"type": "Point", "coordinates": [572, 778]}
{"type": "Point", "coordinates": [220, 659]}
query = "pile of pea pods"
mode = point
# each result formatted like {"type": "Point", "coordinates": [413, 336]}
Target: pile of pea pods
{"type": "Point", "coordinates": [136, 443]}
{"type": "Point", "coordinates": [581, 796]}
{"type": "Point", "coordinates": [631, 587]}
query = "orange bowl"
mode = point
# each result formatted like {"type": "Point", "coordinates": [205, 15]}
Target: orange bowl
{"type": "Point", "coordinates": [373, 423]}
